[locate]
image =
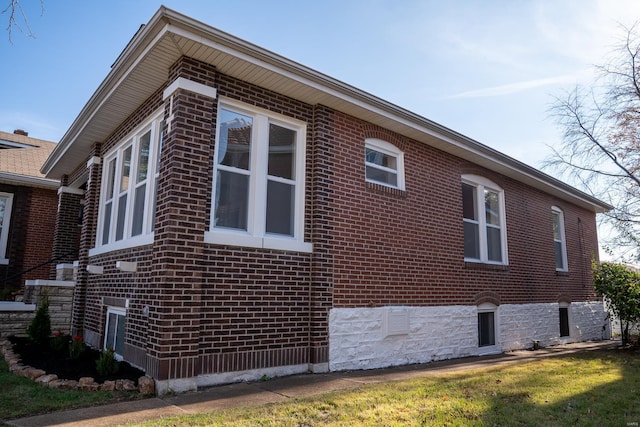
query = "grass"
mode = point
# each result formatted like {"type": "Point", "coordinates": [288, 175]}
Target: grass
{"type": "Point", "coordinates": [21, 397]}
{"type": "Point", "coordinates": [587, 389]}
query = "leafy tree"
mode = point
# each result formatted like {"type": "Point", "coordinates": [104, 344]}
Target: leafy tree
{"type": "Point", "coordinates": [600, 149]}
{"type": "Point", "coordinates": [620, 286]}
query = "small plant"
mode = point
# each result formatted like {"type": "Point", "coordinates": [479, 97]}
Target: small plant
{"type": "Point", "coordinates": [59, 342]}
{"type": "Point", "coordinates": [40, 328]}
{"type": "Point", "coordinates": [77, 347]}
{"type": "Point", "coordinates": [107, 364]}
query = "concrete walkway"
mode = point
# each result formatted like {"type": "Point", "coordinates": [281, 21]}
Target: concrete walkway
{"type": "Point", "coordinates": [281, 389]}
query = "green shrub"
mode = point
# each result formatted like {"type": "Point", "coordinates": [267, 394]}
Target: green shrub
{"type": "Point", "coordinates": [107, 364]}
{"type": "Point", "coordinates": [40, 328]}
{"type": "Point", "coordinates": [77, 347]}
{"type": "Point", "coordinates": [59, 342]}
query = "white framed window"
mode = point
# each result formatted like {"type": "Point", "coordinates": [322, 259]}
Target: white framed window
{"type": "Point", "coordinates": [127, 196]}
{"type": "Point", "coordinates": [258, 179]}
{"type": "Point", "coordinates": [559, 239]}
{"type": "Point", "coordinates": [114, 331]}
{"type": "Point", "coordinates": [485, 231]}
{"type": "Point", "coordinates": [6, 204]}
{"type": "Point", "coordinates": [488, 338]}
{"type": "Point", "coordinates": [384, 163]}
{"type": "Point", "coordinates": [564, 315]}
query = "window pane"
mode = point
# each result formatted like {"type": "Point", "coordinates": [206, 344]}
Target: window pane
{"type": "Point", "coordinates": [381, 159]}
{"type": "Point", "coordinates": [126, 170]}
{"type": "Point", "coordinates": [122, 211]}
{"type": "Point", "coordinates": [119, 338]}
{"type": "Point", "coordinates": [110, 178]}
{"type": "Point", "coordinates": [557, 230]}
{"type": "Point", "coordinates": [3, 207]}
{"type": "Point", "coordinates": [564, 322]}
{"type": "Point", "coordinates": [235, 139]}
{"type": "Point", "coordinates": [282, 144]}
{"type": "Point", "coordinates": [559, 256]}
{"type": "Point", "coordinates": [494, 246]}
{"type": "Point", "coordinates": [382, 176]}
{"type": "Point", "coordinates": [486, 329]}
{"type": "Point", "coordinates": [471, 241]}
{"type": "Point", "coordinates": [469, 210]}
{"type": "Point", "coordinates": [111, 331]}
{"type": "Point", "coordinates": [143, 157]}
{"type": "Point", "coordinates": [138, 210]}
{"type": "Point", "coordinates": [492, 207]}
{"type": "Point", "coordinates": [232, 196]}
{"type": "Point", "coordinates": [106, 226]}
{"type": "Point", "coordinates": [280, 208]}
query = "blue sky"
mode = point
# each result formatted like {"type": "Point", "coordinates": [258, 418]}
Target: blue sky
{"type": "Point", "coordinates": [487, 69]}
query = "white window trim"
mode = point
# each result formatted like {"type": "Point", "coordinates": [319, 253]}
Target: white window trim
{"type": "Point", "coordinates": [480, 184]}
{"type": "Point", "coordinates": [4, 236]}
{"type": "Point", "coordinates": [488, 307]}
{"type": "Point", "coordinates": [255, 236]}
{"type": "Point", "coordinates": [563, 239]}
{"type": "Point", "coordinates": [390, 150]}
{"type": "Point", "coordinates": [153, 123]}
{"type": "Point", "coordinates": [118, 311]}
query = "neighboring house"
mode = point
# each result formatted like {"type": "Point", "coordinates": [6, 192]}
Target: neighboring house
{"type": "Point", "coordinates": [28, 204]}
{"type": "Point", "coordinates": [245, 216]}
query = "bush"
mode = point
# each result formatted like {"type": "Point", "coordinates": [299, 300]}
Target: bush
{"type": "Point", "coordinates": [40, 328]}
{"type": "Point", "coordinates": [107, 365]}
{"type": "Point", "coordinates": [59, 342]}
{"type": "Point", "coordinates": [77, 347]}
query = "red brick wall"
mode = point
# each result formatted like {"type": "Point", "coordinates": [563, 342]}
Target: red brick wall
{"type": "Point", "coordinates": [214, 308]}
{"type": "Point", "coordinates": [406, 247]}
{"type": "Point", "coordinates": [30, 241]}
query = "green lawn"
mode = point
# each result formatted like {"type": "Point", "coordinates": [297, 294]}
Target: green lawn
{"type": "Point", "coordinates": [21, 397]}
{"type": "Point", "coordinates": [595, 388]}
{"type": "Point", "coordinates": [598, 388]}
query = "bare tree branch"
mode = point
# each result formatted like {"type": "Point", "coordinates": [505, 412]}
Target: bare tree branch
{"type": "Point", "coordinates": [17, 15]}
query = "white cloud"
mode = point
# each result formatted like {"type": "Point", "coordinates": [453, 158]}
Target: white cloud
{"type": "Point", "coordinates": [511, 88]}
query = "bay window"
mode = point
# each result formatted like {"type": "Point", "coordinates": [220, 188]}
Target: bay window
{"type": "Point", "coordinates": [127, 206]}
{"type": "Point", "coordinates": [258, 188]}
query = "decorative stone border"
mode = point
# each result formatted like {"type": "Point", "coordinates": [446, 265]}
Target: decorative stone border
{"type": "Point", "coordinates": [146, 385]}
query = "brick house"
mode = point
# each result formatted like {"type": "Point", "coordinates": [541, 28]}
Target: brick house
{"type": "Point", "coordinates": [245, 216]}
{"type": "Point", "coordinates": [28, 204]}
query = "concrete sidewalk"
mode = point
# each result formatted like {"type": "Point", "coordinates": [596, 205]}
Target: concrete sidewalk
{"type": "Point", "coordinates": [281, 389]}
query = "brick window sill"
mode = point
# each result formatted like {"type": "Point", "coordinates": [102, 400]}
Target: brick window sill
{"type": "Point", "coordinates": [487, 267]}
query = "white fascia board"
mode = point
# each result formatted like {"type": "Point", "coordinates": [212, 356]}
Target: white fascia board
{"type": "Point", "coordinates": [30, 181]}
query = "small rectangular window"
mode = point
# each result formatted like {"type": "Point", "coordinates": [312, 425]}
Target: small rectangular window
{"type": "Point", "coordinates": [114, 331]}
{"type": "Point", "coordinates": [564, 322]}
{"type": "Point", "coordinates": [486, 329]}
{"type": "Point", "coordinates": [384, 163]}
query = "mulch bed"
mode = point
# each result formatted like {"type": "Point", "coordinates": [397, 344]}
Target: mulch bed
{"type": "Point", "coordinates": [59, 363]}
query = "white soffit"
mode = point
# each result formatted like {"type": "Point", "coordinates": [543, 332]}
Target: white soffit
{"type": "Point", "coordinates": [143, 68]}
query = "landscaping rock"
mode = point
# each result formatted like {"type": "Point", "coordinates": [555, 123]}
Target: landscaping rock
{"type": "Point", "coordinates": [126, 385]}
{"type": "Point", "coordinates": [64, 384]}
{"type": "Point", "coordinates": [146, 385]}
{"type": "Point", "coordinates": [108, 386]}
{"type": "Point", "coordinates": [46, 379]}
{"type": "Point", "coordinates": [86, 381]}
{"type": "Point", "coordinates": [33, 373]}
